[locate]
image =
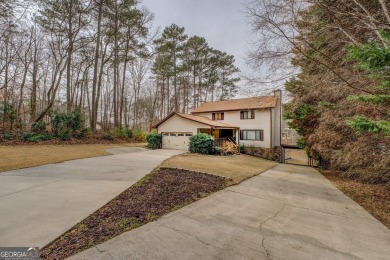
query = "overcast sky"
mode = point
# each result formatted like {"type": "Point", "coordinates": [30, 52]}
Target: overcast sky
{"type": "Point", "coordinates": [221, 22]}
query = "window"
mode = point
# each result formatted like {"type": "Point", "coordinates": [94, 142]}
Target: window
{"type": "Point", "coordinates": [247, 114]}
{"type": "Point", "coordinates": [256, 135]}
{"type": "Point", "coordinates": [176, 134]}
{"type": "Point", "coordinates": [218, 116]}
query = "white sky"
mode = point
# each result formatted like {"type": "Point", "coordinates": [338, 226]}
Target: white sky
{"type": "Point", "coordinates": [221, 22]}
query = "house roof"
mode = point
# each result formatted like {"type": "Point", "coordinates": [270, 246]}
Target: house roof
{"type": "Point", "coordinates": [238, 104]}
{"type": "Point", "coordinates": [199, 119]}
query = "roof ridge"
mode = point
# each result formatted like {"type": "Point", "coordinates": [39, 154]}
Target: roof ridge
{"type": "Point", "coordinates": [237, 99]}
{"type": "Point", "coordinates": [260, 102]}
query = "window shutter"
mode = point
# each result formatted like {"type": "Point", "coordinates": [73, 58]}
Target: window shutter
{"type": "Point", "coordinates": [253, 114]}
{"type": "Point", "coordinates": [213, 116]}
{"type": "Point", "coordinates": [261, 135]}
{"type": "Point", "coordinates": [241, 135]}
{"type": "Point", "coordinates": [241, 115]}
{"type": "Point", "coordinates": [222, 116]}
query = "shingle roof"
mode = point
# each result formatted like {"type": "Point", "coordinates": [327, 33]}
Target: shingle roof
{"type": "Point", "coordinates": [238, 104]}
{"type": "Point", "coordinates": [205, 120]}
{"type": "Point", "coordinates": [199, 119]}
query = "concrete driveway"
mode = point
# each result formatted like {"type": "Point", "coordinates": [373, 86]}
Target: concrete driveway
{"type": "Point", "coordinates": [39, 204]}
{"type": "Point", "coordinates": [288, 212]}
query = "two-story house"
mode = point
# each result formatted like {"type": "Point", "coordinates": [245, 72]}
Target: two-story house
{"type": "Point", "coordinates": [250, 121]}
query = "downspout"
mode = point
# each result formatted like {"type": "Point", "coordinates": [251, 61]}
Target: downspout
{"type": "Point", "coordinates": [280, 129]}
{"type": "Point", "coordinates": [270, 113]}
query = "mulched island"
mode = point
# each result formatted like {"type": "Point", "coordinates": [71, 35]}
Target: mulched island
{"type": "Point", "coordinates": [156, 194]}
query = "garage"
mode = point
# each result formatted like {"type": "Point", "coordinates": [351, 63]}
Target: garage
{"type": "Point", "coordinates": [177, 141]}
{"type": "Point", "coordinates": [176, 129]}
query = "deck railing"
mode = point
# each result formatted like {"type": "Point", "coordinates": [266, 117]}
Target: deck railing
{"type": "Point", "coordinates": [218, 142]}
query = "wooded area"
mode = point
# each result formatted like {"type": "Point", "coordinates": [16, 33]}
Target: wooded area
{"type": "Point", "coordinates": [104, 59]}
{"type": "Point", "coordinates": [340, 94]}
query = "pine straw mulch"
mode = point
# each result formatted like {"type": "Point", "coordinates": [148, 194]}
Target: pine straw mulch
{"type": "Point", "coordinates": [153, 196]}
{"type": "Point", "coordinates": [373, 198]}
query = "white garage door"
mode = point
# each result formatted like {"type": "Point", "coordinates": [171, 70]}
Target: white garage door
{"type": "Point", "coordinates": [176, 141]}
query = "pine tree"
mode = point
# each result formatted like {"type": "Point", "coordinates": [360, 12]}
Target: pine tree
{"type": "Point", "coordinates": [172, 43]}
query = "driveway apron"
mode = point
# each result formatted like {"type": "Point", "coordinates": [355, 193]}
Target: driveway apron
{"type": "Point", "coordinates": [39, 204]}
{"type": "Point", "coordinates": [287, 212]}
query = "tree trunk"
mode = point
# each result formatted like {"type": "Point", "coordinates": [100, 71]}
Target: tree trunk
{"type": "Point", "coordinates": [95, 70]}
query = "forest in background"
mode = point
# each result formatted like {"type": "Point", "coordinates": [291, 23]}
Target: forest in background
{"type": "Point", "coordinates": [340, 92]}
{"type": "Point", "coordinates": [104, 61]}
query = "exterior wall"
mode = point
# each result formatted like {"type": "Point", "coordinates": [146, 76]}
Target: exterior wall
{"type": "Point", "coordinates": [262, 121]}
{"type": "Point", "coordinates": [179, 124]}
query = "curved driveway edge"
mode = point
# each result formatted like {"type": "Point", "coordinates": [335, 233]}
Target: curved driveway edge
{"type": "Point", "coordinates": [39, 204]}
{"type": "Point", "coordinates": [287, 212]}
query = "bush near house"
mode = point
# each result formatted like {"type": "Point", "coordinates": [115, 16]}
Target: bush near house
{"type": "Point", "coordinates": [201, 143]}
{"type": "Point", "coordinates": [242, 148]}
{"type": "Point", "coordinates": [154, 140]}
{"type": "Point", "coordinates": [265, 153]}
{"type": "Point", "coordinates": [229, 148]}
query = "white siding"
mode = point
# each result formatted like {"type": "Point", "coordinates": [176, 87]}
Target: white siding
{"type": "Point", "coordinates": [262, 121]}
{"type": "Point", "coordinates": [179, 124]}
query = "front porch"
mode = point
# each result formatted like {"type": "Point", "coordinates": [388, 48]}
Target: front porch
{"type": "Point", "coordinates": [221, 134]}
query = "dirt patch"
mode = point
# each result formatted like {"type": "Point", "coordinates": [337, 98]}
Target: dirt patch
{"type": "Point", "coordinates": [373, 198]}
{"type": "Point", "coordinates": [235, 167]}
{"type": "Point", "coordinates": [23, 156]}
{"type": "Point", "coordinates": [153, 196]}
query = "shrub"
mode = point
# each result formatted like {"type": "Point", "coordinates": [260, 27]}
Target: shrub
{"type": "Point", "coordinates": [8, 136]}
{"type": "Point", "coordinates": [8, 114]}
{"type": "Point", "coordinates": [139, 135]}
{"type": "Point", "coordinates": [38, 127]}
{"type": "Point", "coordinates": [154, 140]}
{"type": "Point", "coordinates": [228, 148]}
{"type": "Point", "coordinates": [122, 133]}
{"type": "Point", "coordinates": [201, 143]}
{"type": "Point", "coordinates": [32, 137]}
{"type": "Point", "coordinates": [80, 134]}
{"type": "Point", "coordinates": [265, 153]}
{"type": "Point", "coordinates": [108, 136]}
{"type": "Point", "coordinates": [242, 148]}
{"type": "Point", "coordinates": [66, 125]}
{"type": "Point", "coordinates": [216, 150]}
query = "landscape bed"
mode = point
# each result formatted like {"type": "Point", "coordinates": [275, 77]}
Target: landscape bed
{"type": "Point", "coordinates": [158, 193]}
